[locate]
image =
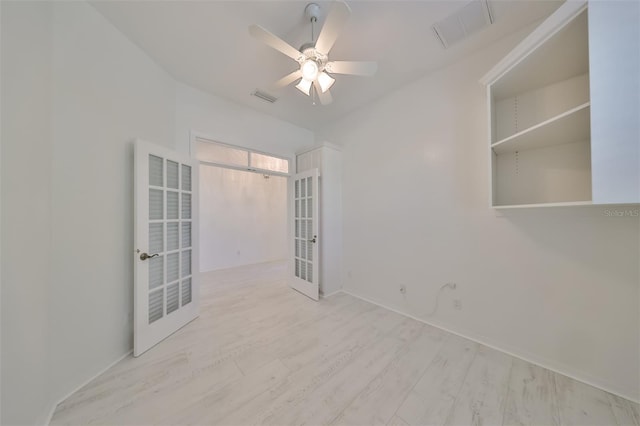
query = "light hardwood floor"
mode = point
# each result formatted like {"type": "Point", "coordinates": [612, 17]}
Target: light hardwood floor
{"type": "Point", "coordinates": [260, 353]}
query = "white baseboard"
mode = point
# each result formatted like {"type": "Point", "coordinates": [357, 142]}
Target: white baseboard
{"type": "Point", "coordinates": [263, 263]}
{"type": "Point", "coordinates": [83, 384]}
{"type": "Point", "coordinates": [433, 324]}
{"type": "Point", "coordinates": [528, 358]}
{"type": "Point", "coordinates": [333, 293]}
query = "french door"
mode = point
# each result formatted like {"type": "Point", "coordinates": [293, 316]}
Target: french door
{"type": "Point", "coordinates": [166, 293]}
{"type": "Point", "coordinates": [305, 234]}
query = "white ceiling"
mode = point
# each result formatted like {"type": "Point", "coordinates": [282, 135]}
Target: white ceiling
{"type": "Point", "coordinates": [206, 44]}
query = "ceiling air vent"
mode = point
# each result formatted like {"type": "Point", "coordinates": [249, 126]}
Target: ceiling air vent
{"type": "Point", "coordinates": [264, 96]}
{"type": "Point", "coordinates": [464, 22]}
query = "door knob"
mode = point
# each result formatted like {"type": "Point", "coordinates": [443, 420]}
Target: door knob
{"type": "Point", "coordinates": [313, 240]}
{"type": "Point", "coordinates": [145, 256]}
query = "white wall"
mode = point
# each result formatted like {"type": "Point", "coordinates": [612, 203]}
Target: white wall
{"type": "Point", "coordinates": [243, 218]}
{"type": "Point", "coordinates": [106, 92]}
{"type": "Point", "coordinates": [555, 286]}
{"type": "Point", "coordinates": [331, 220]}
{"type": "Point", "coordinates": [615, 100]}
{"type": "Point", "coordinates": [75, 92]}
{"type": "Point", "coordinates": [26, 209]}
{"type": "Point", "coordinates": [230, 123]}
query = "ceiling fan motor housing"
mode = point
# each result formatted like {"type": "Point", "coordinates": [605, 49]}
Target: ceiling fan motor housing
{"type": "Point", "coordinates": [310, 53]}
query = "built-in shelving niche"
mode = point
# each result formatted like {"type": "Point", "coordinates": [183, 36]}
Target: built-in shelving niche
{"type": "Point", "coordinates": [540, 123]}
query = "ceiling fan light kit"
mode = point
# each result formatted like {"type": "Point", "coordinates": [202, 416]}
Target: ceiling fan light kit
{"type": "Point", "coordinates": [304, 86]}
{"type": "Point", "coordinates": [309, 69]}
{"type": "Point", "coordinates": [313, 58]}
{"type": "Point", "coordinates": [325, 81]}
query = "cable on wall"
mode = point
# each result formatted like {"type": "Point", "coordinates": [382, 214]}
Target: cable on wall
{"type": "Point", "coordinates": [452, 286]}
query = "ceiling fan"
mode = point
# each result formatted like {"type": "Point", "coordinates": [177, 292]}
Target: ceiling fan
{"type": "Point", "coordinates": [315, 68]}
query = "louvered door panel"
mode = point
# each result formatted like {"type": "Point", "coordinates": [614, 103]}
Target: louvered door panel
{"type": "Point", "coordinates": [305, 231]}
{"type": "Point", "coordinates": [165, 216]}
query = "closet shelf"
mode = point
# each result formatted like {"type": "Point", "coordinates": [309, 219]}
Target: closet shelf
{"type": "Point", "coordinates": [570, 126]}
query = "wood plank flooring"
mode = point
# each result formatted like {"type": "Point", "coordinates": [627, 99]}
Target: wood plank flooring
{"type": "Point", "coordinates": [261, 353]}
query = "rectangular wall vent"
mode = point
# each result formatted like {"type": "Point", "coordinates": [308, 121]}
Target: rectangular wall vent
{"type": "Point", "coordinates": [264, 96]}
{"type": "Point", "coordinates": [466, 21]}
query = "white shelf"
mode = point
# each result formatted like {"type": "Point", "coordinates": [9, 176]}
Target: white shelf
{"type": "Point", "coordinates": [572, 85]}
{"type": "Point", "coordinates": [568, 51]}
{"type": "Point", "coordinates": [525, 206]}
{"type": "Point", "coordinates": [570, 126]}
{"type": "Point", "coordinates": [543, 87]}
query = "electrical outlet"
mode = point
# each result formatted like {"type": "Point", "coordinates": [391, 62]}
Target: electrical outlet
{"type": "Point", "coordinates": [403, 289]}
{"type": "Point", "coordinates": [457, 304]}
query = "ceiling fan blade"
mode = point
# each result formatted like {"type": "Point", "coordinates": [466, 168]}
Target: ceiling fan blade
{"type": "Point", "coordinates": [325, 98]}
{"type": "Point", "coordinates": [275, 42]}
{"type": "Point", "coordinates": [337, 17]}
{"type": "Point", "coordinates": [351, 67]}
{"type": "Point", "coordinates": [286, 80]}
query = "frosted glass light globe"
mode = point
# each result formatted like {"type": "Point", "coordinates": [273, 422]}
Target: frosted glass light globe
{"type": "Point", "coordinates": [309, 70]}
{"type": "Point", "coordinates": [304, 86]}
{"type": "Point", "coordinates": [325, 81]}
